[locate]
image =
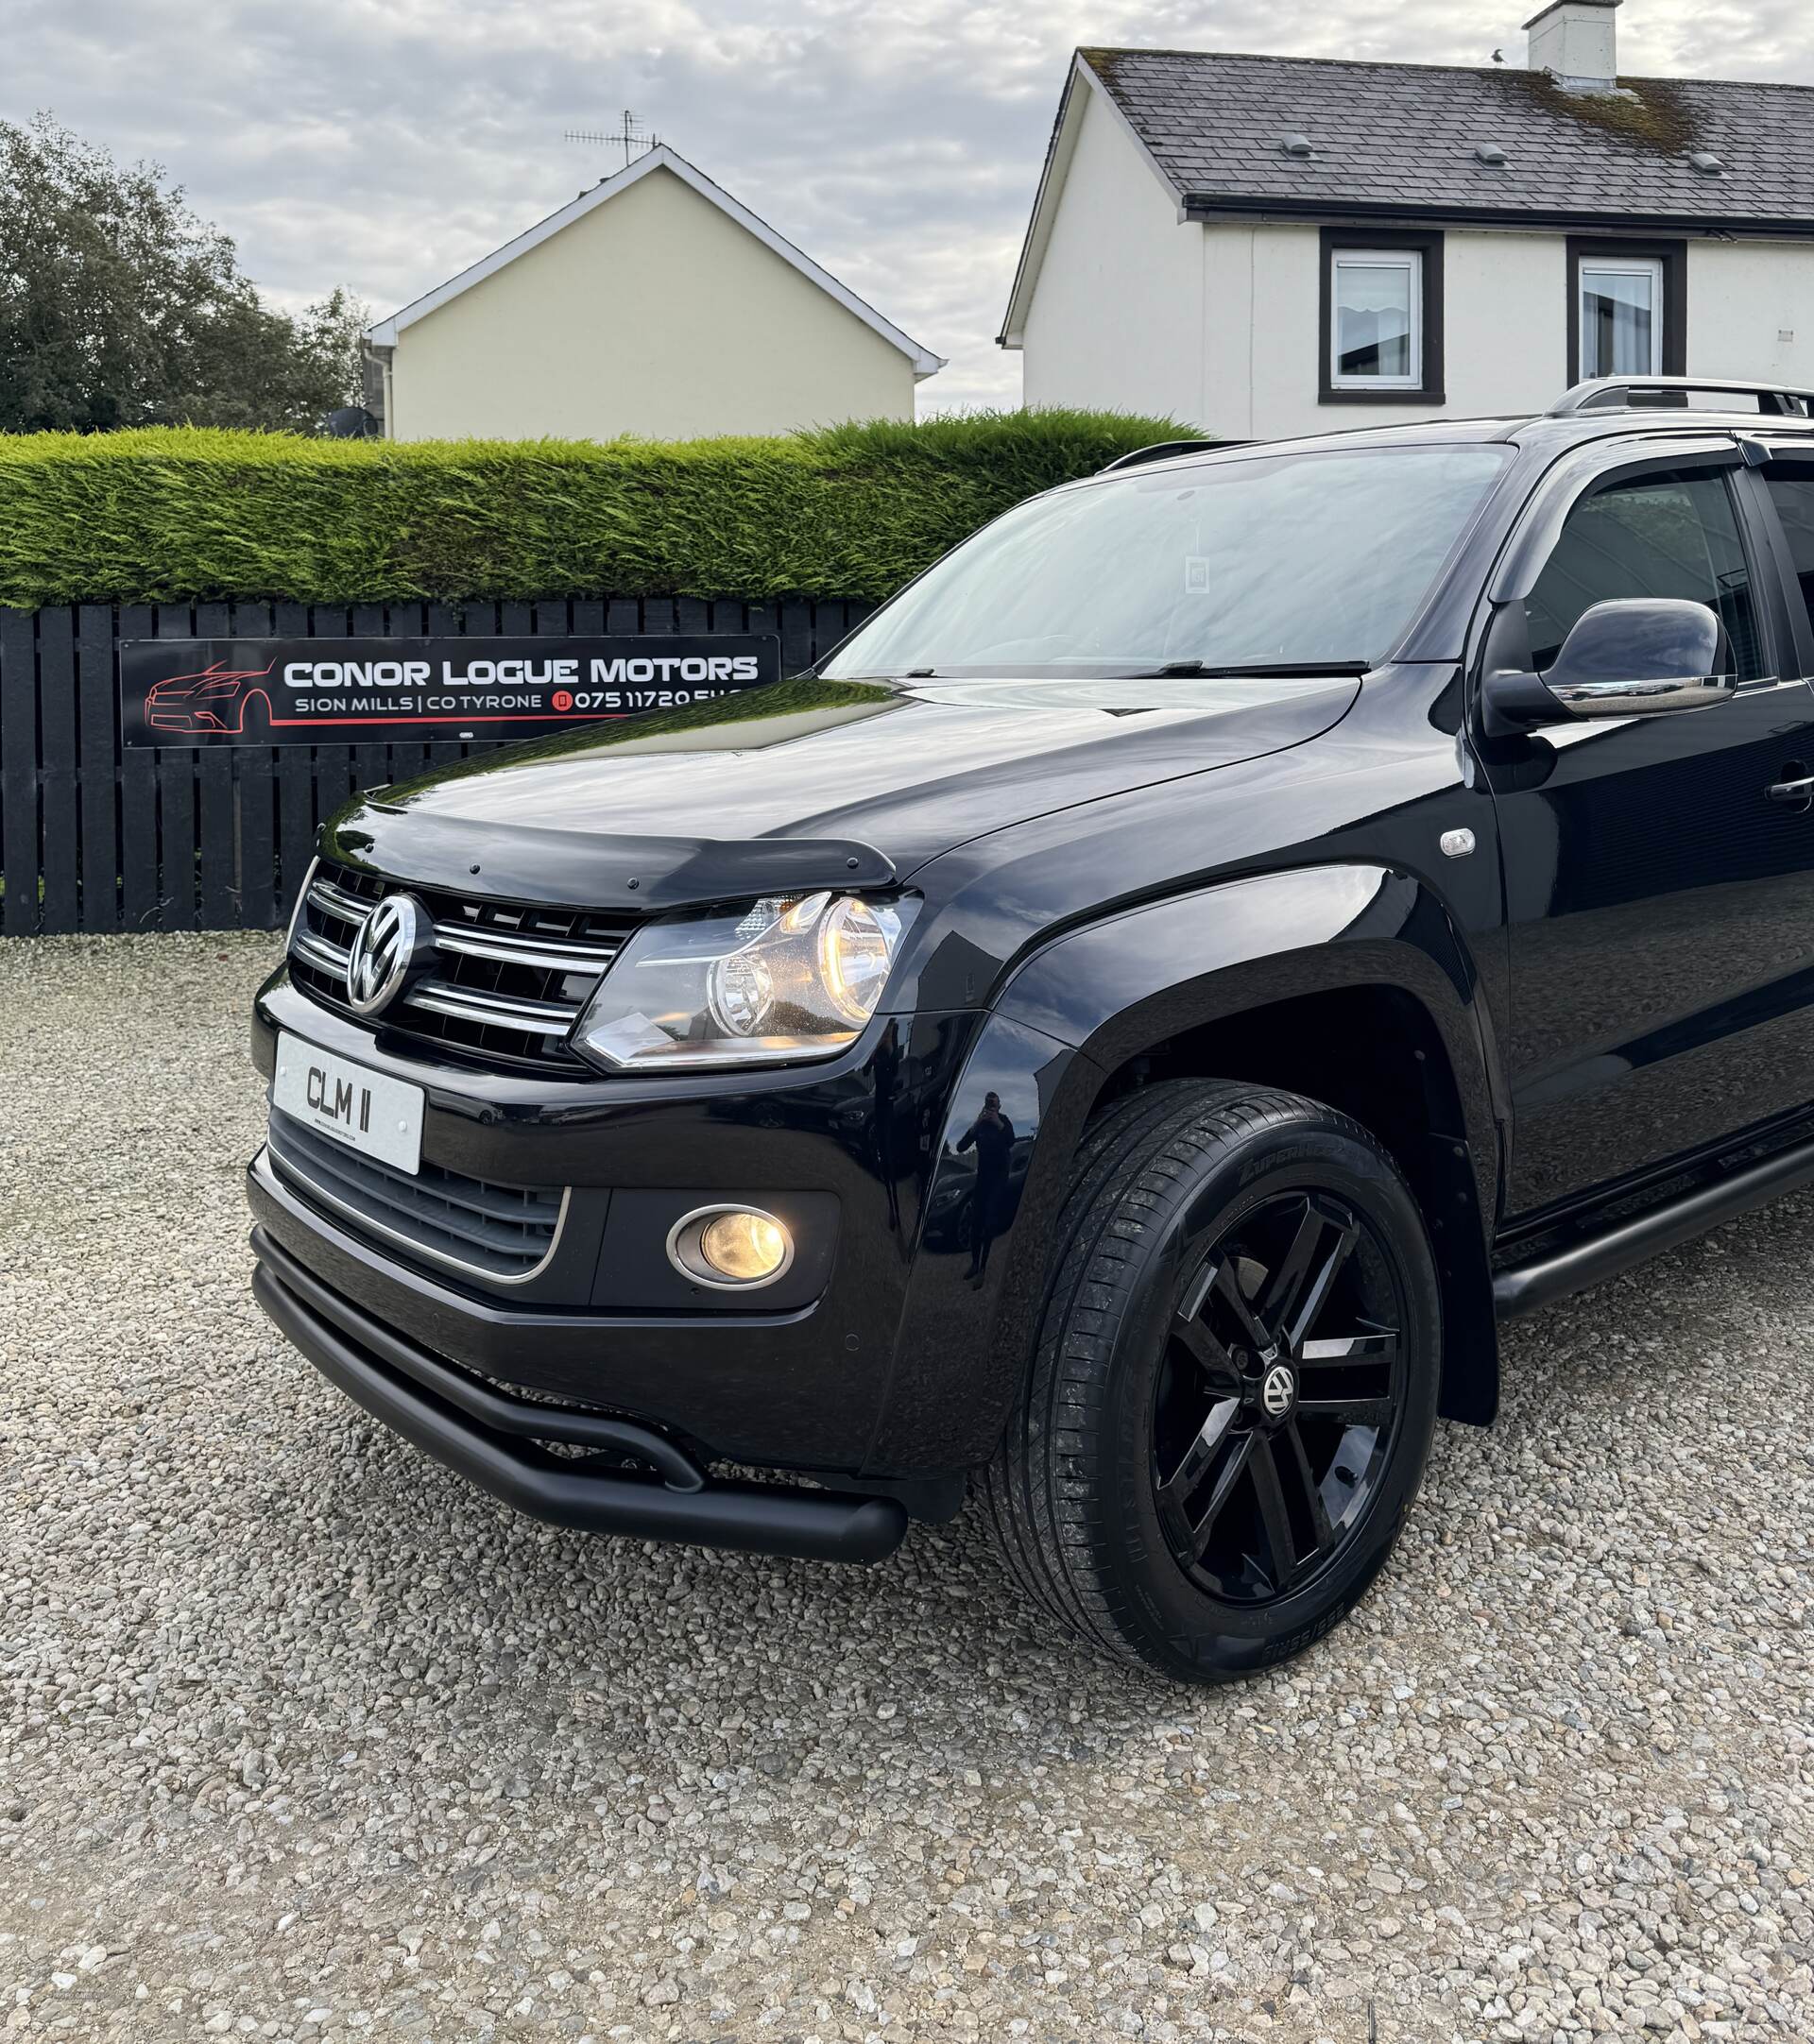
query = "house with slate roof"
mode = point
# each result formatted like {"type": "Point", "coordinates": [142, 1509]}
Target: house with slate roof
{"type": "Point", "coordinates": [1267, 246]}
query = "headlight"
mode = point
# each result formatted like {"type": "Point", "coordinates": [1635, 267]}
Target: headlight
{"type": "Point", "coordinates": [790, 977]}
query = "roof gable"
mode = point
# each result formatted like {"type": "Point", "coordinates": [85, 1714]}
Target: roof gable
{"type": "Point", "coordinates": [1081, 88]}
{"type": "Point", "coordinates": [385, 333]}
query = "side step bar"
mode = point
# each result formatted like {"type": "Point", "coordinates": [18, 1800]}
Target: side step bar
{"type": "Point", "coordinates": [1524, 1287]}
{"type": "Point", "coordinates": [476, 1433]}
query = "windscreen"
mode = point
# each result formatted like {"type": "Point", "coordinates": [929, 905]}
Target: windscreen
{"type": "Point", "coordinates": [1270, 560]}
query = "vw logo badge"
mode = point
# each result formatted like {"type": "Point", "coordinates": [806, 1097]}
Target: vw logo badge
{"type": "Point", "coordinates": [1276, 1392]}
{"type": "Point", "coordinates": [391, 947]}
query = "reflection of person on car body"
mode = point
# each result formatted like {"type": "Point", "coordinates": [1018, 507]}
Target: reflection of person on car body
{"type": "Point", "coordinates": [887, 1071]}
{"type": "Point", "coordinates": [991, 1136]}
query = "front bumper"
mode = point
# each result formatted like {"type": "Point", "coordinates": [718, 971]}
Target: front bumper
{"type": "Point", "coordinates": [801, 1387]}
{"type": "Point", "coordinates": [492, 1440]}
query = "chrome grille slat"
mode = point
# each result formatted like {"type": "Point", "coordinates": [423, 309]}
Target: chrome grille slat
{"type": "Point", "coordinates": [351, 908]}
{"type": "Point", "coordinates": [546, 1018]}
{"type": "Point", "coordinates": [557, 956]}
{"type": "Point", "coordinates": [319, 951]}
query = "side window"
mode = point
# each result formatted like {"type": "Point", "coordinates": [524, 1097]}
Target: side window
{"type": "Point", "coordinates": [1791, 488]}
{"type": "Point", "coordinates": [1649, 536]}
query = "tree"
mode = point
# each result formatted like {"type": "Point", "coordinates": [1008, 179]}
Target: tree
{"type": "Point", "coordinates": [251, 366]}
{"type": "Point", "coordinates": [119, 307]}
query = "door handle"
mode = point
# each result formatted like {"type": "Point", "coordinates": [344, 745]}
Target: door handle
{"type": "Point", "coordinates": [1793, 794]}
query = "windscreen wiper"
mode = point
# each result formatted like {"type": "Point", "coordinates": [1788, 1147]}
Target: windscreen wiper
{"type": "Point", "coordinates": [1254, 667]}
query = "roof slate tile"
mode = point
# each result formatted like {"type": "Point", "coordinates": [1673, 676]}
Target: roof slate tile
{"type": "Point", "coordinates": [1406, 134]}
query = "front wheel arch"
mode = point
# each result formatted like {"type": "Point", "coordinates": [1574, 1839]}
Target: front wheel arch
{"type": "Point", "coordinates": [1204, 985]}
{"type": "Point", "coordinates": [1200, 986]}
{"type": "Point", "coordinates": [1375, 1052]}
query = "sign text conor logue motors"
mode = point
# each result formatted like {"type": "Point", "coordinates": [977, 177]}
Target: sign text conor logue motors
{"type": "Point", "coordinates": [278, 691]}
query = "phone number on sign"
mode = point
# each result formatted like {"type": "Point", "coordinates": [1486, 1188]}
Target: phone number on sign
{"type": "Point", "coordinates": [619, 699]}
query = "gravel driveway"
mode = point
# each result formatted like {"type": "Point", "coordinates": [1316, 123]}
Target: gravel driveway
{"type": "Point", "coordinates": [302, 1737]}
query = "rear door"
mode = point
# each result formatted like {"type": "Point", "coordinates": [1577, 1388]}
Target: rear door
{"type": "Point", "coordinates": [1661, 924]}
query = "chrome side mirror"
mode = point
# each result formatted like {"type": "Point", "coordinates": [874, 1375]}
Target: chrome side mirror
{"type": "Point", "coordinates": [1638, 656]}
{"type": "Point", "coordinates": [1633, 657]}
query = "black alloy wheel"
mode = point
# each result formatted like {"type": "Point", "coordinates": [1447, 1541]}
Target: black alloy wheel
{"type": "Point", "coordinates": [1233, 1388]}
{"type": "Point", "coordinates": [1275, 1408]}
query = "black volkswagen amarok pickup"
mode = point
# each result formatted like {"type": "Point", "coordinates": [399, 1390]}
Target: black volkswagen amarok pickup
{"type": "Point", "coordinates": [1113, 1036]}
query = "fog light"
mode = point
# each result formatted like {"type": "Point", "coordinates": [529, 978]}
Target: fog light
{"type": "Point", "coordinates": [732, 1248]}
{"type": "Point", "coordinates": [745, 1248]}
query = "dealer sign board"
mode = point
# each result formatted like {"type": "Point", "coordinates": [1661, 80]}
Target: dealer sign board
{"type": "Point", "coordinates": [348, 691]}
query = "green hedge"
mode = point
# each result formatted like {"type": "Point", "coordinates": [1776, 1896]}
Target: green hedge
{"type": "Point", "coordinates": [167, 515]}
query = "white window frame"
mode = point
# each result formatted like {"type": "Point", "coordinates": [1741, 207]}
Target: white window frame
{"type": "Point", "coordinates": [1412, 262]}
{"type": "Point", "coordinates": [1651, 267]}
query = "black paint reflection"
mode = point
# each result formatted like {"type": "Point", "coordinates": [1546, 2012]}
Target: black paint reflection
{"type": "Point", "coordinates": [991, 1136]}
{"type": "Point", "coordinates": [1659, 936]}
{"type": "Point", "coordinates": [982, 1161]}
{"type": "Point", "coordinates": [981, 1243]}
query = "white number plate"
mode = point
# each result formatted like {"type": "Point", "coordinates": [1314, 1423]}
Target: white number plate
{"type": "Point", "coordinates": [378, 1117]}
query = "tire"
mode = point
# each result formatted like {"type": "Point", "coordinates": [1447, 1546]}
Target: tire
{"type": "Point", "coordinates": [1239, 1346]}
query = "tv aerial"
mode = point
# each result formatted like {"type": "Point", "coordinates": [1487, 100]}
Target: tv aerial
{"type": "Point", "coordinates": [627, 137]}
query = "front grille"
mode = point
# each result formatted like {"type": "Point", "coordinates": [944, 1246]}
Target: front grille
{"type": "Point", "coordinates": [506, 1232]}
{"type": "Point", "coordinates": [507, 986]}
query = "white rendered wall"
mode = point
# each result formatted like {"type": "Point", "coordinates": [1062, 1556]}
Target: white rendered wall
{"type": "Point", "coordinates": [1577, 42]}
{"type": "Point", "coordinates": [1743, 297]}
{"type": "Point", "coordinates": [1118, 310]}
{"type": "Point", "coordinates": [654, 313]}
{"type": "Point", "coordinates": [1505, 316]}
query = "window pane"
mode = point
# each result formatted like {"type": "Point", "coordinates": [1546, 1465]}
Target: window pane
{"type": "Point", "coordinates": [1655, 535]}
{"type": "Point", "coordinates": [1793, 492]}
{"type": "Point", "coordinates": [1617, 322]}
{"type": "Point", "coordinates": [1271, 557]}
{"type": "Point", "coordinates": [1373, 317]}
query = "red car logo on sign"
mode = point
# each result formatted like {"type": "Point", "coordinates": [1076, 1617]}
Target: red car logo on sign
{"type": "Point", "coordinates": [216, 699]}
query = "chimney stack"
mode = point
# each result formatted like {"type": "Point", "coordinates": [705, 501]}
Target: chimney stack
{"type": "Point", "coordinates": [1577, 42]}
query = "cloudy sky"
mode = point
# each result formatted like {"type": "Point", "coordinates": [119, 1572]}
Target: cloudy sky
{"type": "Point", "coordinates": [385, 143]}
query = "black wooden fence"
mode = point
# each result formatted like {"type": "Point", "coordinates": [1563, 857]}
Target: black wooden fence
{"type": "Point", "coordinates": [96, 838]}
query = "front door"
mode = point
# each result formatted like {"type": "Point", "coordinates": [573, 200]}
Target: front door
{"type": "Point", "coordinates": [1661, 918]}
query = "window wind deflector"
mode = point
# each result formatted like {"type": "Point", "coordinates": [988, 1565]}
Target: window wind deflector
{"type": "Point", "coordinates": [1197, 668]}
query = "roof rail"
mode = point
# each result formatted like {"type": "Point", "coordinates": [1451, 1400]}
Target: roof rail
{"type": "Point", "coordinates": [1164, 449]}
{"type": "Point", "coordinates": [1625, 393]}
